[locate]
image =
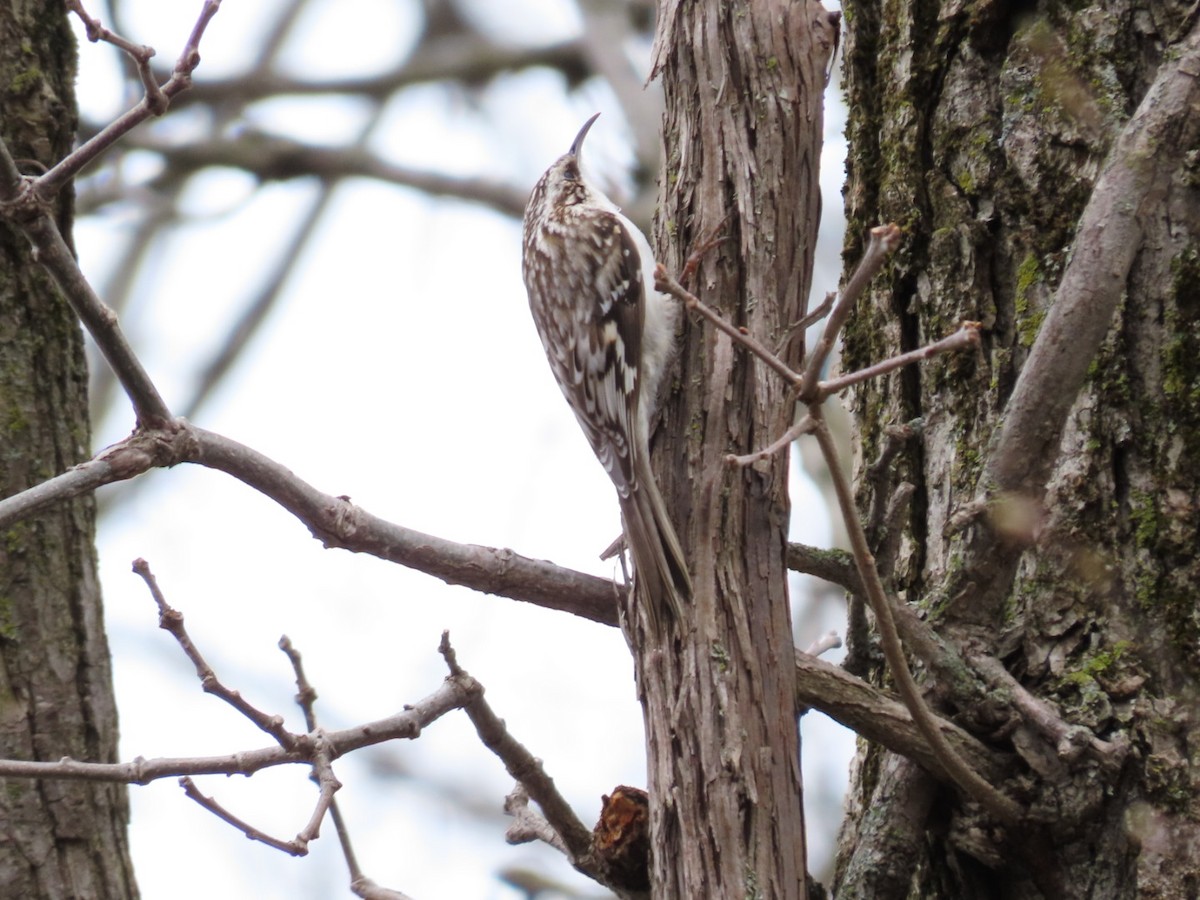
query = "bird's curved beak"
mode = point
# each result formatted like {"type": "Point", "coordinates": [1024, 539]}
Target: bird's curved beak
{"type": "Point", "coordinates": [577, 144]}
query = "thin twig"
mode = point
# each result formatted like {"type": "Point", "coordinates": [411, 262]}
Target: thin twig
{"type": "Point", "coordinates": [814, 316]}
{"type": "Point", "coordinates": [327, 783]}
{"type": "Point", "coordinates": [828, 641]}
{"type": "Point", "coordinates": [306, 697]}
{"type": "Point", "coordinates": [966, 336]}
{"type": "Point", "coordinates": [528, 825]}
{"type": "Point", "coordinates": [1004, 808]}
{"type": "Point", "coordinates": [20, 205]}
{"type": "Point", "coordinates": [52, 182]}
{"type": "Point", "coordinates": [664, 281]}
{"type": "Point", "coordinates": [171, 620]}
{"type": "Point", "coordinates": [139, 53]}
{"type": "Point", "coordinates": [883, 241]}
{"type": "Point", "coordinates": [804, 426]}
{"type": "Point", "coordinates": [306, 694]}
{"type": "Point", "coordinates": [193, 793]}
{"type": "Point", "coordinates": [405, 725]}
{"type": "Point", "coordinates": [1069, 741]}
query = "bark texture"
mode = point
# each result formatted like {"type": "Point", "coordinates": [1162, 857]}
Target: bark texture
{"type": "Point", "coordinates": [61, 839]}
{"type": "Point", "coordinates": [743, 87]}
{"type": "Point", "coordinates": [982, 130]}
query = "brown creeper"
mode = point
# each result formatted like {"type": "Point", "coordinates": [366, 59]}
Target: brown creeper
{"type": "Point", "coordinates": [609, 336]}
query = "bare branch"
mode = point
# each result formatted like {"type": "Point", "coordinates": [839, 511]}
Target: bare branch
{"type": "Point", "coordinates": [664, 281]}
{"type": "Point", "coordinates": [828, 641]}
{"type": "Point", "coordinates": [21, 205]}
{"type": "Point", "coordinates": [369, 890]}
{"type": "Point", "coordinates": [139, 53]}
{"type": "Point", "coordinates": [306, 697]}
{"type": "Point", "coordinates": [880, 717]}
{"type": "Point", "coordinates": [193, 793]}
{"type": "Point", "coordinates": [359, 883]}
{"type": "Point", "coordinates": [1069, 741]}
{"type": "Point", "coordinates": [524, 767]}
{"type": "Point", "coordinates": [137, 454]}
{"type": "Point", "coordinates": [405, 725]}
{"type": "Point", "coordinates": [171, 620]}
{"type": "Point", "coordinates": [328, 785]}
{"type": "Point", "coordinates": [804, 426]}
{"type": "Point", "coordinates": [834, 566]}
{"type": "Point", "coordinates": [812, 317]}
{"type": "Point", "coordinates": [338, 523]}
{"type": "Point", "coordinates": [960, 772]}
{"type": "Point", "coordinates": [528, 825]}
{"type": "Point", "coordinates": [470, 59]}
{"type": "Point", "coordinates": [274, 158]}
{"type": "Point", "coordinates": [966, 336]}
{"type": "Point", "coordinates": [335, 521]}
{"type": "Point", "coordinates": [883, 241]}
{"type": "Point", "coordinates": [312, 746]}
{"type": "Point", "coordinates": [155, 103]}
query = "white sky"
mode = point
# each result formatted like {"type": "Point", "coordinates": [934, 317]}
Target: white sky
{"type": "Point", "coordinates": [403, 370]}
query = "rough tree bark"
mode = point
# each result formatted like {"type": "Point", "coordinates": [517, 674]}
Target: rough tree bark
{"type": "Point", "coordinates": [61, 839]}
{"type": "Point", "coordinates": [743, 86]}
{"type": "Point", "coordinates": [982, 129]}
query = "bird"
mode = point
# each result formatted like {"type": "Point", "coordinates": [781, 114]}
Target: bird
{"type": "Point", "coordinates": [609, 336]}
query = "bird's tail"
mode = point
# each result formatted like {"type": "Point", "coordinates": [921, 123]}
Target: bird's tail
{"type": "Point", "coordinates": [660, 570]}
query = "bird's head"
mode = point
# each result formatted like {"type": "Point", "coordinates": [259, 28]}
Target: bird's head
{"type": "Point", "coordinates": [564, 184]}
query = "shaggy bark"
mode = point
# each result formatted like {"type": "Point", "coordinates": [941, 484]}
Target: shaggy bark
{"type": "Point", "coordinates": [743, 120]}
{"type": "Point", "coordinates": [984, 131]}
{"type": "Point", "coordinates": [62, 839]}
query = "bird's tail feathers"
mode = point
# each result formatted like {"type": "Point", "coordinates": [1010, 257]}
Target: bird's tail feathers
{"type": "Point", "coordinates": [660, 570]}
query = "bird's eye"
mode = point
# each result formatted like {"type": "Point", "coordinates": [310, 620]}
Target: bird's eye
{"type": "Point", "coordinates": [571, 172]}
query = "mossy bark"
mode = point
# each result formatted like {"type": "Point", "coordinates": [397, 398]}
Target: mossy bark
{"type": "Point", "coordinates": [62, 839]}
{"type": "Point", "coordinates": [981, 128]}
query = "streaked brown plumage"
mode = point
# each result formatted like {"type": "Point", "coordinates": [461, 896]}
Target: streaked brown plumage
{"type": "Point", "coordinates": [609, 336]}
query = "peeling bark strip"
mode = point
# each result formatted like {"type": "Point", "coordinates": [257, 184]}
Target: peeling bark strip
{"type": "Point", "coordinates": [743, 86]}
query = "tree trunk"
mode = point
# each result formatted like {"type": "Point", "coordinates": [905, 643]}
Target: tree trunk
{"type": "Point", "coordinates": [743, 87]}
{"type": "Point", "coordinates": [982, 130]}
{"type": "Point", "coordinates": [62, 839]}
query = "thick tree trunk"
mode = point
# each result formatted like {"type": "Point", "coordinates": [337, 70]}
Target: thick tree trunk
{"type": "Point", "coordinates": [982, 131]}
{"type": "Point", "coordinates": [743, 86]}
{"type": "Point", "coordinates": [61, 839]}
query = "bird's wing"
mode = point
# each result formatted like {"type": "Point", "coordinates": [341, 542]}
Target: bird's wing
{"type": "Point", "coordinates": [594, 336]}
